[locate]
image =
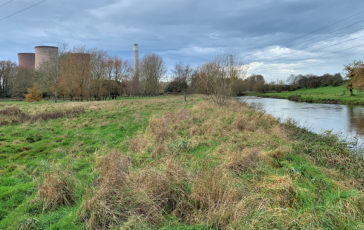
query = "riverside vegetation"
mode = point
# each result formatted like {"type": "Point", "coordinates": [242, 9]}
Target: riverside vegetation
{"type": "Point", "coordinates": [161, 163]}
{"type": "Point", "coordinates": [329, 94]}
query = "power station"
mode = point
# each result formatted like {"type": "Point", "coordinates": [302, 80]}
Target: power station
{"type": "Point", "coordinates": [34, 61]}
{"type": "Point", "coordinates": [26, 60]}
{"type": "Point", "coordinates": [45, 54]}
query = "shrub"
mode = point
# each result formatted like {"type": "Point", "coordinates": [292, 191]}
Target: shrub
{"type": "Point", "coordinates": [34, 94]}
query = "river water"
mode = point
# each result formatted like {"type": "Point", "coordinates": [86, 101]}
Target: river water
{"type": "Point", "coordinates": [345, 120]}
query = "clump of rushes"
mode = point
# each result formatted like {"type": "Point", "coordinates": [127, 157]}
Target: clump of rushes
{"type": "Point", "coordinates": [57, 189]}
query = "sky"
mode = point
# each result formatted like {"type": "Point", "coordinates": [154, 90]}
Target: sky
{"type": "Point", "coordinates": [275, 38]}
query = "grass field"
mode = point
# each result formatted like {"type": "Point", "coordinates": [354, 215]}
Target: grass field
{"type": "Point", "coordinates": [328, 94]}
{"type": "Point", "coordinates": [161, 163]}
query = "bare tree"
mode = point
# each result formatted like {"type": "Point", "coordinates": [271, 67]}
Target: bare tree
{"type": "Point", "coordinates": [22, 80]}
{"type": "Point", "coordinates": [48, 77]}
{"type": "Point", "coordinates": [7, 74]}
{"type": "Point", "coordinates": [98, 72]}
{"type": "Point", "coordinates": [215, 78]}
{"type": "Point", "coordinates": [183, 74]}
{"type": "Point", "coordinates": [122, 73]}
{"type": "Point", "coordinates": [152, 69]}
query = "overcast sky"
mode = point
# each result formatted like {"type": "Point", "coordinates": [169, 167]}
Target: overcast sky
{"type": "Point", "coordinates": [275, 38]}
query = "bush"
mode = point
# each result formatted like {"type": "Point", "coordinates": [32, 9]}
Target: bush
{"type": "Point", "coordinates": [34, 94]}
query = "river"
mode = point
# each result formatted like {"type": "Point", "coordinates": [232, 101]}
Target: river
{"type": "Point", "coordinates": [344, 120]}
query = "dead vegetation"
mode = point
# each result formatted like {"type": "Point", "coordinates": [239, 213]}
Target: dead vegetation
{"type": "Point", "coordinates": [245, 161]}
{"type": "Point", "coordinates": [13, 115]}
{"type": "Point", "coordinates": [216, 195]}
{"type": "Point", "coordinates": [57, 189]}
{"type": "Point", "coordinates": [116, 199]}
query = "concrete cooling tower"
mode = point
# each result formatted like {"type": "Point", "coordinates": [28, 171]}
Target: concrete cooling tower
{"type": "Point", "coordinates": [44, 54]}
{"type": "Point", "coordinates": [26, 60]}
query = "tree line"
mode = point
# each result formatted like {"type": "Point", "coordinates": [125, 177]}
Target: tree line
{"type": "Point", "coordinates": [83, 75]}
{"type": "Point", "coordinates": [93, 75]}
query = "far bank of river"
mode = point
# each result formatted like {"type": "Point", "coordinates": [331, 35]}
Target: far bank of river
{"type": "Point", "coordinates": [344, 120]}
{"type": "Point", "coordinates": [326, 95]}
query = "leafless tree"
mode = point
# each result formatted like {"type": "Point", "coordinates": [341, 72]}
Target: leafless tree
{"type": "Point", "coordinates": [122, 73]}
{"type": "Point", "coordinates": [215, 78]}
{"type": "Point", "coordinates": [98, 72]}
{"type": "Point", "coordinates": [152, 69]}
{"type": "Point", "coordinates": [7, 74]}
{"type": "Point", "coordinates": [183, 74]}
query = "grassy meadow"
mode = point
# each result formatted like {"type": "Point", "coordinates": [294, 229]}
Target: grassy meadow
{"type": "Point", "coordinates": [329, 94]}
{"type": "Point", "coordinates": [162, 163]}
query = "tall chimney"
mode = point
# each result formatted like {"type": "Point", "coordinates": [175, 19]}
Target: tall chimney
{"type": "Point", "coordinates": [136, 69]}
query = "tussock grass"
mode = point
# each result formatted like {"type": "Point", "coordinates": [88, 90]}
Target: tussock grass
{"type": "Point", "coordinates": [57, 189]}
{"type": "Point", "coordinates": [116, 200]}
{"type": "Point", "coordinates": [245, 161]}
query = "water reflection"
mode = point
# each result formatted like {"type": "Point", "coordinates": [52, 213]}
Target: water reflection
{"type": "Point", "coordinates": [356, 120]}
{"type": "Point", "coordinates": [346, 121]}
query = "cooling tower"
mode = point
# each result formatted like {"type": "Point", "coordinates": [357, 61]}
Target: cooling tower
{"type": "Point", "coordinates": [44, 54]}
{"type": "Point", "coordinates": [26, 60]}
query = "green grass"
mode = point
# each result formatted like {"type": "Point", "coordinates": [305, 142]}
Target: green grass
{"type": "Point", "coordinates": [315, 182]}
{"type": "Point", "coordinates": [329, 94]}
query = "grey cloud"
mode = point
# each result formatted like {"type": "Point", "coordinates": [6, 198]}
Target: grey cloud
{"type": "Point", "coordinates": [268, 34]}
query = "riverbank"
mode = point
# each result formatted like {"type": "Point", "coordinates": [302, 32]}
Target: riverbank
{"type": "Point", "coordinates": [329, 95]}
{"type": "Point", "coordinates": [161, 163]}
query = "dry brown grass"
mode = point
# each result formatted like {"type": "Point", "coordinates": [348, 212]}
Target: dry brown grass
{"type": "Point", "coordinates": [117, 199]}
{"type": "Point", "coordinates": [57, 189]}
{"type": "Point", "coordinates": [57, 114]}
{"type": "Point", "coordinates": [279, 153]}
{"type": "Point", "coordinates": [166, 126]}
{"type": "Point", "coordinates": [11, 115]}
{"type": "Point", "coordinates": [160, 149]}
{"type": "Point", "coordinates": [138, 144]}
{"type": "Point", "coordinates": [281, 190]}
{"type": "Point", "coordinates": [114, 169]}
{"type": "Point", "coordinates": [245, 161]}
{"type": "Point", "coordinates": [167, 188]}
{"type": "Point", "coordinates": [216, 195]}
